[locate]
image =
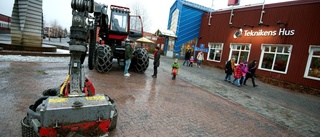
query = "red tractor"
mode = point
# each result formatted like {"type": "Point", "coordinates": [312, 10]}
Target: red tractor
{"type": "Point", "coordinates": [108, 35]}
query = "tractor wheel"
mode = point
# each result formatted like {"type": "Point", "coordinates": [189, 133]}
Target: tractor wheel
{"type": "Point", "coordinates": [103, 58]}
{"type": "Point", "coordinates": [114, 121]}
{"type": "Point", "coordinates": [140, 60]}
{"type": "Point", "coordinates": [27, 130]}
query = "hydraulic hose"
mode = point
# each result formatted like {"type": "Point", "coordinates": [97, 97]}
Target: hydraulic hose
{"type": "Point", "coordinates": [64, 84]}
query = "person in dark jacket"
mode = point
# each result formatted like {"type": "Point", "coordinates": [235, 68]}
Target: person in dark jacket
{"type": "Point", "coordinates": [229, 67]}
{"type": "Point", "coordinates": [187, 57]}
{"type": "Point", "coordinates": [128, 56]}
{"type": "Point", "coordinates": [252, 73]}
{"type": "Point", "coordinates": [156, 62]}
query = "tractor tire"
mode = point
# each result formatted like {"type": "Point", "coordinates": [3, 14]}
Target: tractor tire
{"type": "Point", "coordinates": [103, 58]}
{"type": "Point", "coordinates": [140, 61]}
{"type": "Point", "coordinates": [27, 130]}
{"type": "Point", "coordinates": [113, 121]}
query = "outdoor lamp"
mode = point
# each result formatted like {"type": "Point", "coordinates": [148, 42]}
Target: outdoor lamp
{"type": "Point", "coordinates": [246, 25]}
{"type": "Point", "coordinates": [281, 23]}
{"type": "Point", "coordinates": [231, 26]}
{"type": "Point", "coordinates": [261, 24]}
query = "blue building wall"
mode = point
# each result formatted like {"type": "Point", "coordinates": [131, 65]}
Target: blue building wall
{"type": "Point", "coordinates": [189, 21]}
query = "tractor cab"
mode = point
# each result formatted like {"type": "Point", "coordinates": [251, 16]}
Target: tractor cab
{"type": "Point", "coordinates": [119, 23]}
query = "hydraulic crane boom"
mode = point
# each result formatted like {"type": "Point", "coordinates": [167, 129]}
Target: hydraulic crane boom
{"type": "Point", "coordinates": [78, 44]}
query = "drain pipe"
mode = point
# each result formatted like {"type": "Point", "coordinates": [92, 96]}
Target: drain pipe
{"type": "Point", "coordinates": [231, 15]}
{"type": "Point", "coordinates": [209, 22]}
{"type": "Point", "coordinates": [210, 16]}
{"type": "Point", "coordinates": [262, 12]}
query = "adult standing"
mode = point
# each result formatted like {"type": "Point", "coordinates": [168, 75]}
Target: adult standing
{"type": "Point", "coordinates": [156, 62]}
{"type": "Point", "coordinates": [229, 67]}
{"type": "Point", "coordinates": [128, 56]}
{"type": "Point", "coordinates": [200, 58]}
{"type": "Point", "coordinates": [252, 73]}
{"type": "Point", "coordinates": [187, 57]}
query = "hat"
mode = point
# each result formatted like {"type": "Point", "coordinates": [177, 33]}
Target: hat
{"type": "Point", "coordinates": [128, 41]}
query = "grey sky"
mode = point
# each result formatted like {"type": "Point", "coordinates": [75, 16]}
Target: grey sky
{"type": "Point", "coordinates": [158, 10]}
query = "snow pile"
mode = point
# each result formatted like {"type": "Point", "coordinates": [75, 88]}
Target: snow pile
{"type": "Point", "coordinates": [19, 58]}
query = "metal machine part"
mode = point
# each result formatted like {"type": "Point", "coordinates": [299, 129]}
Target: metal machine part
{"type": "Point", "coordinates": [73, 109]}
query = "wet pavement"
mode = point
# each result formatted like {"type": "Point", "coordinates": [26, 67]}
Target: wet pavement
{"type": "Point", "coordinates": [197, 103]}
{"type": "Point", "coordinates": [297, 111]}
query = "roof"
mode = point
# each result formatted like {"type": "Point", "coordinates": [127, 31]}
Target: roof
{"type": "Point", "coordinates": [196, 6]}
{"type": "Point", "coordinates": [163, 32]}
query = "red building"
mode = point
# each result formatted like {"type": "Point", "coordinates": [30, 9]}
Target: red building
{"type": "Point", "coordinates": [5, 23]}
{"type": "Point", "coordinates": [282, 37]}
{"type": "Point", "coordinates": [158, 41]}
{"type": "Point", "coordinates": [151, 37]}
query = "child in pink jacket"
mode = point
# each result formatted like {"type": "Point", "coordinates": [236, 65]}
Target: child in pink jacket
{"type": "Point", "coordinates": [244, 71]}
{"type": "Point", "coordinates": [191, 61]}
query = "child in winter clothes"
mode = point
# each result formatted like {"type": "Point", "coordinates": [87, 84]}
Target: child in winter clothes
{"type": "Point", "coordinates": [238, 74]}
{"type": "Point", "coordinates": [244, 71]}
{"type": "Point", "coordinates": [175, 67]}
{"type": "Point", "coordinates": [191, 61]}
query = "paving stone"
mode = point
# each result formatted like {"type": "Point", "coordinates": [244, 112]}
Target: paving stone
{"type": "Point", "coordinates": [147, 106]}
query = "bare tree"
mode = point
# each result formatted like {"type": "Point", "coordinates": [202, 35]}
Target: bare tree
{"type": "Point", "coordinates": [137, 8]}
{"type": "Point", "coordinates": [54, 28]}
{"type": "Point", "coordinates": [65, 32]}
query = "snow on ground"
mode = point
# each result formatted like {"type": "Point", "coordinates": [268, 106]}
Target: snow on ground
{"type": "Point", "coordinates": [19, 58]}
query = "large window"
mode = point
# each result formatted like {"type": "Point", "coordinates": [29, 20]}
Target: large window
{"type": "Point", "coordinates": [215, 51]}
{"type": "Point", "coordinates": [275, 57]}
{"type": "Point", "coordinates": [313, 64]}
{"type": "Point", "coordinates": [186, 46]}
{"type": "Point", "coordinates": [171, 44]}
{"type": "Point", "coordinates": [240, 52]}
{"type": "Point", "coordinates": [119, 21]}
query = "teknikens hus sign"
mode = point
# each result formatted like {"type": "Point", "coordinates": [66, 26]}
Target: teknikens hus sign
{"type": "Point", "coordinates": [281, 32]}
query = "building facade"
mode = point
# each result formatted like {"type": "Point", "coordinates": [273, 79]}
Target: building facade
{"type": "Point", "coordinates": [185, 21]}
{"type": "Point", "coordinates": [282, 37]}
{"type": "Point", "coordinates": [5, 24]}
{"type": "Point", "coordinates": [27, 23]}
{"type": "Point", "coordinates": [149, 46]}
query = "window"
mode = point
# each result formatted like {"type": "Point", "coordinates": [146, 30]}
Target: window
{"type": "Point", "coordinates": [275, 58]}
{"type": "Point", "coordinates": [240, 52]}
{"type": "Point", "coordinates": [119, 21]}
{"type": "Point", "coordinates": [154, 38]}
{"type": "Point", "coordinates": [215, 51]}
{"type": "Point", "coordinates": [170, 44]}
{"type": "Point", "coordinates": [313, 65]}
{"type": "Point", "coordinates": [187, 46]}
